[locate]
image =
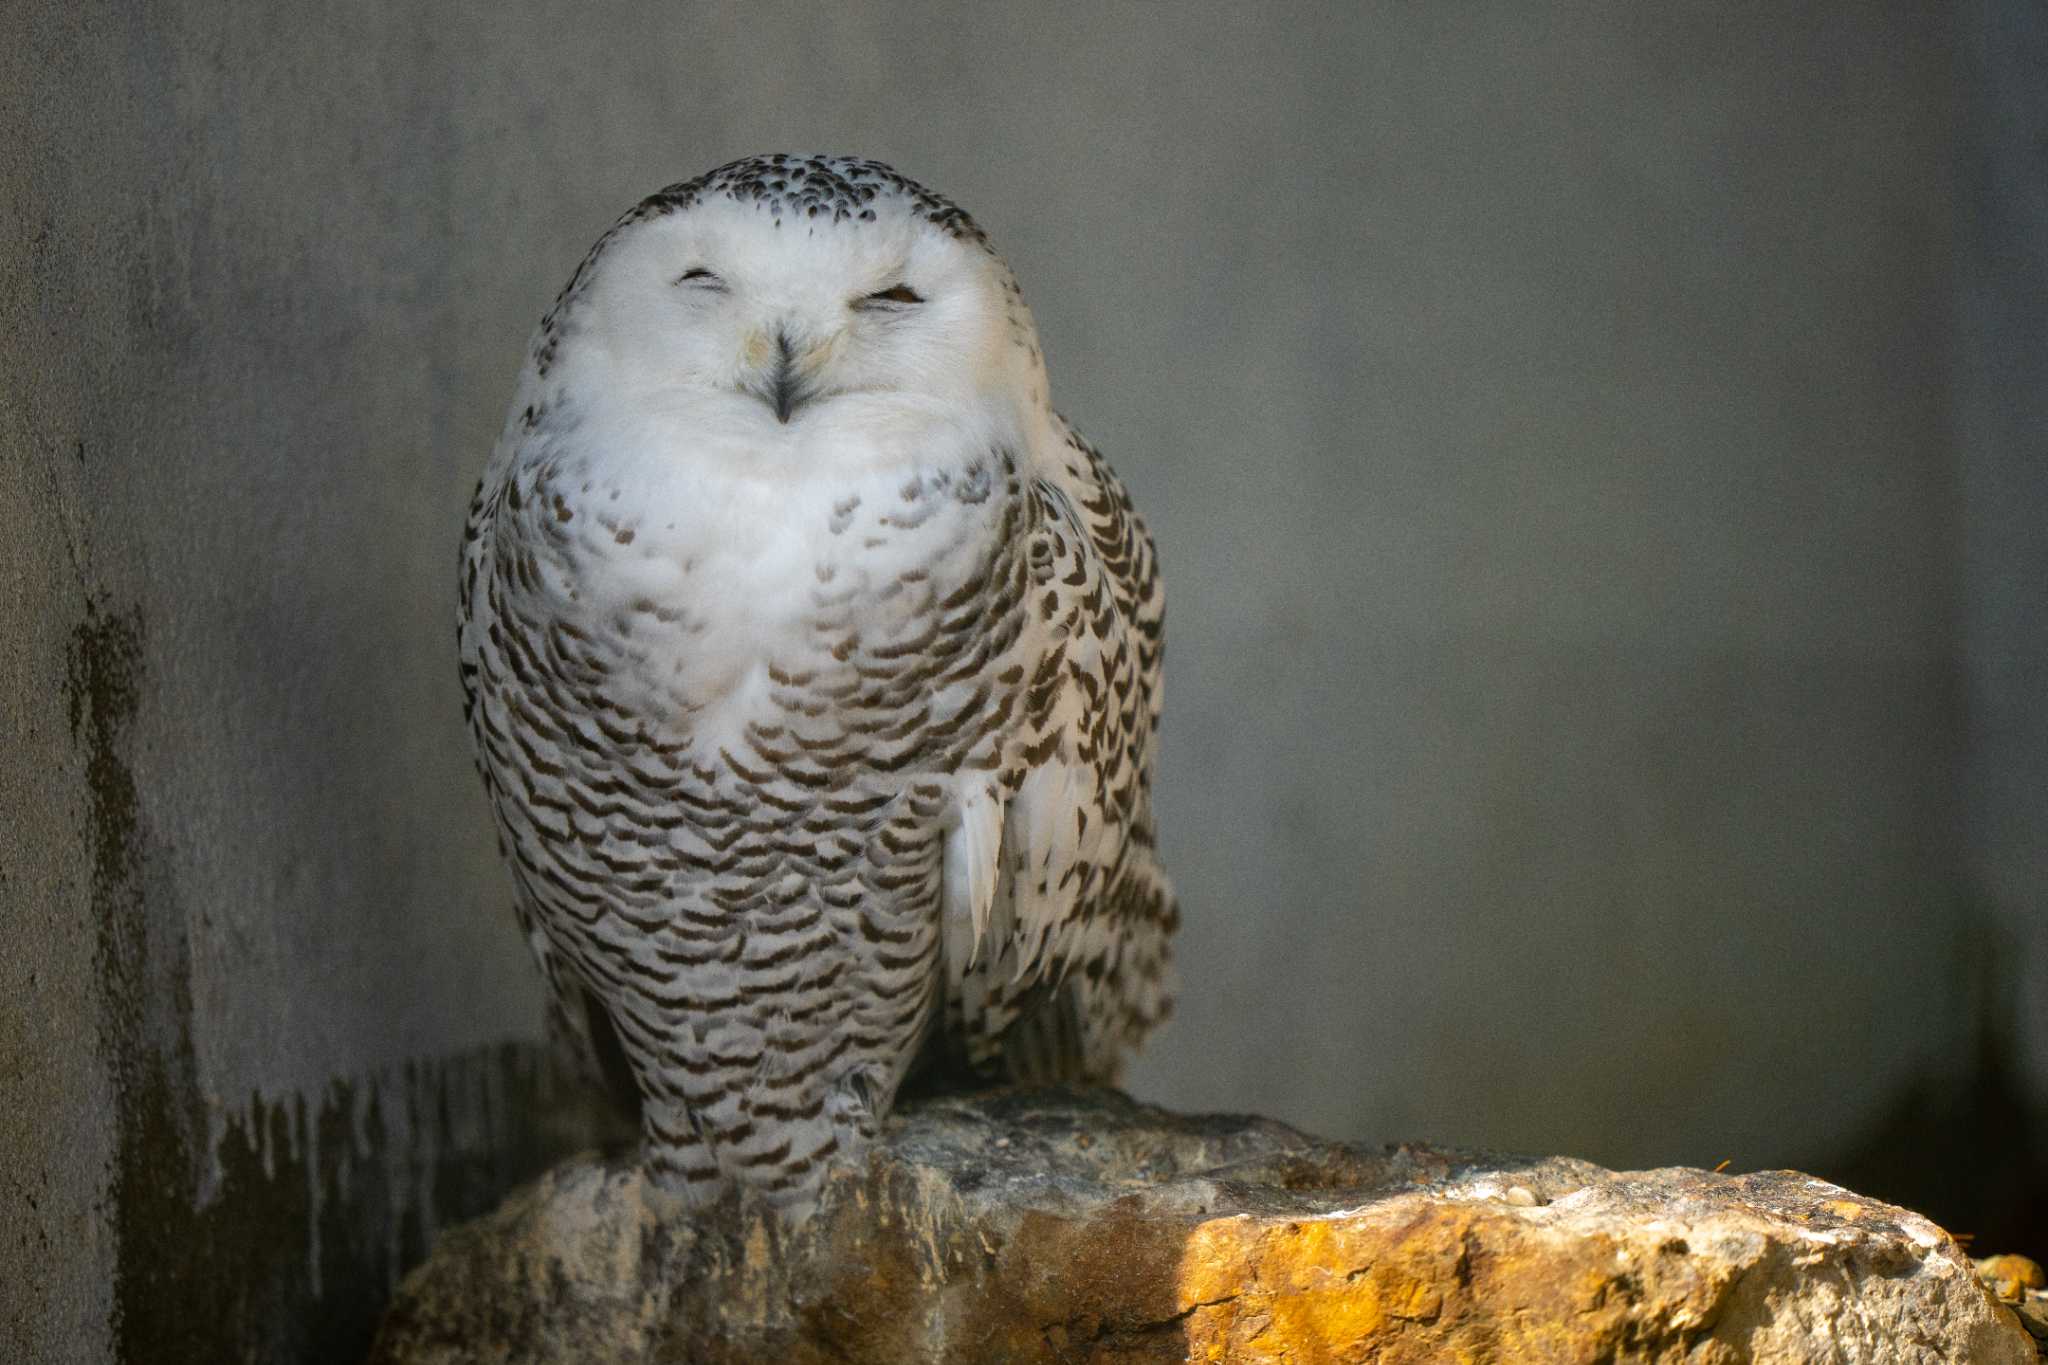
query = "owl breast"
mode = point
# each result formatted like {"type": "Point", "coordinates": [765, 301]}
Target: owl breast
{"type": "Point", "coordinates": [720, 722]}
{"type": "Point", "coordinates": [698, 586]}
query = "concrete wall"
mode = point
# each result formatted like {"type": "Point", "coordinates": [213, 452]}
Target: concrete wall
{"type": "Point", "coordinates": [1543, 413]}
{"type": "Point", "coordinates": [2001, 429]}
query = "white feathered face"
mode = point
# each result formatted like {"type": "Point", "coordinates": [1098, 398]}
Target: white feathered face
{"type": "Point", "coordinates": [724, 313]}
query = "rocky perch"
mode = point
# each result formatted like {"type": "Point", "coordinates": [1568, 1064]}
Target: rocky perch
{"type": "Point", "coordinates": [1061, 1226]}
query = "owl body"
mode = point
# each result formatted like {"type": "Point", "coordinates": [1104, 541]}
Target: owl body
{"type": "Point", "coordinates": [813, 665]}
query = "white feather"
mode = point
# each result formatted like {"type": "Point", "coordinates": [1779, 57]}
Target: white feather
{"type": "Point", "coordinates": [973, 855]}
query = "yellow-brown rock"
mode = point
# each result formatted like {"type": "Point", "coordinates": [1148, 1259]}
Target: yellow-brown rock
{"type": "Point", "coordinates": [1055, 1226]}
{"type": "Point", "coordinates": [2021, 1285]}
{"type": "Point", "coordinates": [2011, 1276]}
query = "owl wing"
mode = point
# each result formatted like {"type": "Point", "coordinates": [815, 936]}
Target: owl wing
{"type": "Point", "coordinates": [569, 1013]}
{"type": "Point", "coordinates": [473, 607]}
{"type": "Point", "coordinates": [1061, 964]}
{"type": "Point", "coordinates": [476, 611]}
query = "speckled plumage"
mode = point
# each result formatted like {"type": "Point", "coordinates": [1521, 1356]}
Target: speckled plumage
{"type": "Point", "coordinates": [813, 664]}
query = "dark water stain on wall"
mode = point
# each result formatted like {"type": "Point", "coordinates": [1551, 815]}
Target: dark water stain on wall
{"type": "Point", "coordinates": [278, 1232]}
{"type": "Point", "coordinates": [314, 1210]}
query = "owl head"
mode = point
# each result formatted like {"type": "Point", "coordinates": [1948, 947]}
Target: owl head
{"type": "Point", "coordinates": [781, 291]}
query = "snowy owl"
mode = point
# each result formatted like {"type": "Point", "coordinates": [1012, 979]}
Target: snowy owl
{"type": "Point", "coordinates": [813, 664]}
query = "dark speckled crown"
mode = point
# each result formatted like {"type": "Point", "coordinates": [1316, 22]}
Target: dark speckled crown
{"type": "Point", "coordinates": [842, 188]}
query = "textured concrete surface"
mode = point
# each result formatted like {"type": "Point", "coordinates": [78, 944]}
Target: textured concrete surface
{"type": "Point", "coordinates": [1063, 1227]}
{"type": "Point", "coordinates": [1543, 416]}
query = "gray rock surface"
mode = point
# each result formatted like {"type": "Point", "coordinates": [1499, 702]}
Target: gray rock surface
{"type": "Point", "coordinates": [1053, 1225]}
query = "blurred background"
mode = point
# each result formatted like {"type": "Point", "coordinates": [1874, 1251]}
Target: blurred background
{"type": "Point", "coordinates": [1599, 455]}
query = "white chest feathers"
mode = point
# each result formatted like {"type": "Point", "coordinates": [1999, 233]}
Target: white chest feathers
{"type": "Point", "coordinates": [698, 580]}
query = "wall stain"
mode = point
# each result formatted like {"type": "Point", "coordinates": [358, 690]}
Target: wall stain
{"type": "Point", "coordinates": [278, 1231]}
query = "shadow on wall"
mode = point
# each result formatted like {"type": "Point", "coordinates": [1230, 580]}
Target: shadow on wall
{"type": "Point", "coordinates": [1965, 1148]}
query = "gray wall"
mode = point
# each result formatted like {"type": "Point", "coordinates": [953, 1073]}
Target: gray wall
{"type": "Point", "coordinates": [2001, 440]}
{"type": "Point", "coordinates": [1545, 414]}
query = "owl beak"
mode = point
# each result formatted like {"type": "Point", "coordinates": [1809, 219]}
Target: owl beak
{"type": "Point", "coordinates": [785, 390]}
{"type": "Point", "coordinates": [782, 371]}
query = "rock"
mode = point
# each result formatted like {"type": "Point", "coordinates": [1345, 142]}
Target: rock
{"type": "Point", "coordinates": [2011, 1275]}
{"type": "Point", "coordinates": [2022, 1286]}
{"type": "Point", "coordinates": [1056, 1225]}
